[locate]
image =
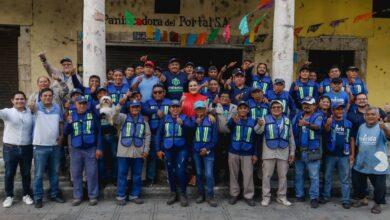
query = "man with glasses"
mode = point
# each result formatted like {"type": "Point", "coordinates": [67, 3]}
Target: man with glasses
{"type": "Point", "coordinates": [155, 108]}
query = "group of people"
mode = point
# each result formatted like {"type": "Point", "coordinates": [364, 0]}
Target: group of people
{"type": "Point", "coordinates": [229, 121]}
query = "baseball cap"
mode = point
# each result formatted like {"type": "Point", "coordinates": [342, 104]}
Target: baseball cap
{"type": "Point", "coordinates": [158, 68]}
{"type": "Point", "coordinates": [256, 89]}
{"type": "Point", "coordinates": [337, 105]}
{"type": "Point", "coordinates": [352, 68]}
{"type": "Point", "coordinates": [81, 99]}
{"type": "Point", "coordinates": [308, 100]}
{"type": "Point", "coordinates": [74, 91]}
{"type": "Point", "coordinates": [135, 91]}
{"type": "Point", "coordinates": [242, 103]}
{"type": "Point", "coordinates": [135, 103]}
{"type": "Point", "coordinates": [211, 68]}
{"type": "Point", "coordinates": [275, 101]}
{"type": "Point", "coordinates": [199, 104]}
{"type": "Point", "coordinates": [65, 59]}
{"type": "Point", "coordinates": [337, 80]}
{"type": "Point", "coordinates": [172, 60]}
{"type": "Point", "coordinates": [101, 89]}
{"type": "Point", "coordinates": [237, 72]}
{"type": "Point", "coordinates": [190, 64]}
{"type": "Point", "coordinates": [304, 68]}
{"type": "Point", "coordinates": [175, 102]}
{"type": "Point", "coordinates": [199, 69]}
{"type": "Point", "coordinates": [279, 80]}
{"type": "Point", "coordinates": [149, 63]}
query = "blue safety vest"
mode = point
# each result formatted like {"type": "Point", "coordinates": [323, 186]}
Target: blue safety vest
{"type": "Point", "coordinates": [326, 85]}
{"type": "Point", "coordinates": [87, 94]}
{"type": "Point", "coordinates": [314, 136]}
{"type": "Point", "coordinates": [117, 93]}
{"type": "Point", "coordinates": [284, 97]}
{"type": "Point", "coordinates": [173, 134]}
{"type": "Point", "coordinates": [83, 135]}
{"type": "Point", "coordinates": [257, 110]}
{"type": "Point", "coordinates": [203, 134]}
{"type": "Point", "coordinates": [262, 82]}
{"type": "Point", "coordinates": [242, 135]}
{"type": "Point", "coordinates": [204, 89]}
{"type": "Point", "coordinates": [331, 144]}
{"type": "Point", "coordinates": [154, 120]}
{"type": "Point", "coordinates": [357, 87]}
{"type": "Point", "coordinates": [275, 135]}
{"type": "Point", "coordinates": [305, 90]}
{"type": "Point", "coordinates": [133, 132]}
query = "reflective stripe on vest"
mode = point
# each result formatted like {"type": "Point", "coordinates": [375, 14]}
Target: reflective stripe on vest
{"type": "Point", "coordinates": [133, 132]}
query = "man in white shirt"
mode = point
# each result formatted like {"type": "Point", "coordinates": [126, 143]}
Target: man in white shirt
{"type": "Point", "coordinates": [47, 138]}
{"type": "Point", "coordinates": [17, 147]}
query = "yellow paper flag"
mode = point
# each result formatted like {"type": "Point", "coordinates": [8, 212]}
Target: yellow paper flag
{"type": "Point", "coordinates": [183, 40]}
{"type": "Point", "coordinates": [252, 36]}
{"type": "Point", "coordinates": [149, 32]}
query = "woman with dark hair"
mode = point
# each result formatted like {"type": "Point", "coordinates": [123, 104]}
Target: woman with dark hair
{"type": "Point", "coordinates": [324, 104]}
{"type": "Point", "coordinates": [189, 98]}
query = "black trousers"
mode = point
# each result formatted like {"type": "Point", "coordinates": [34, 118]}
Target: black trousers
{"type": "Point", "coordinates": [359, 183]}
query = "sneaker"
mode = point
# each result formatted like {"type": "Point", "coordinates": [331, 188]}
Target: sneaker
{"type": "Point", "coordinates": [137, 200]}
{"type": "Point", "coordinates": [172, 199]}
{"type": "Point", "coordinates": [314, 203]}
{"type": "Point", "coordinates": [250, 202]}
{"type": "Point", "coordinates": [38, 203]}
{"type": "Point", "coordinates": [300, 199]}
{"type": "Point", "coordinates": [360, 203]}
{"type": "Point", "coordinates": [323, 200]}
{"type": "Point", "coordinates": [121, 202]}
{"type": "Point", "coordinates": [346, 205]}
{"type": "Point", "coordinates": [233, 200]}
{"type": "Point", "coordinates": [76, 202]}
{"type": "Point", "coordinates": [199, 199]}
{"type": "Point", "coordinates": [283, 201]}
{"type": "Point", "coordinates": [93, 202]}
{"type": "Point", "coordinates": [212, 201]}
{"type": "Point", "coordinates": [266, 201]}
{"type": "Point", "coordinates": [8, 202]}
{"type": "Point", "coordinates": [376, 209]}
{"type": "Point", "coordinates": [183, 200]}
{"type": "Point", "coordinates": [28, 200]}
{"type": "Point", "coordinates": [57, 199]}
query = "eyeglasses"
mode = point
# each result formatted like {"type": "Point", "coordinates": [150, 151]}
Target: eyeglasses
{"type": "Point", "coordinates": [157, 92]}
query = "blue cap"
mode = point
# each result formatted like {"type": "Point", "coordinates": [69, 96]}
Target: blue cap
{"type": "Point", "coordinates": [101, 88]}
{"type": "Point", "coordinates": [134, 103]}
{"type": "Point", "coordinates": [211, 68]}
{"type": "Point", "coordinates": [275, 101]}
{"type": "Point", "coordinates": [242, 103]}
{"type": "Point", "coordinates": [337, 80]}
{"type": "Point", "coordinates": [199, 104]}
{"type": "Point", "coordinates": [237, 72]}
{"type": "Point", "coordinates": [81, 99]}
{"type": "Point", "coordinates": [65, 59]}
{"type": "Point", "coordinates": [277, 81]}
{"type": "Point", "coordinates": [308, 100]}
{"type": "Point", "coordinates": [336, 105]}
{"type": "Point", "coordinates": [255, 89]}
{"type": "Point", "coordinates": [199, 69]}
{"type": "Point", "coordinates": [189, 64]}
{"type": "Point", "coordinates": [172, 60]}
{"type": "Point", "coordinates": [74, 91]}
{"type": "Point", "coordinates": [175, 102]}
{"type": "Point", "coordinates": [135, 91]}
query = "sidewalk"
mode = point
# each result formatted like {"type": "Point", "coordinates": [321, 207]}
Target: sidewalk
{"type": "Point", "coordinates": [155, 208]}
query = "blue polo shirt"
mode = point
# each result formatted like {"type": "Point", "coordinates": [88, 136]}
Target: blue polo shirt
{"type": "Point", "coordinates": [146, 86]}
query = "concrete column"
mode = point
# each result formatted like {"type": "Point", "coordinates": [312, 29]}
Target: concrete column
{"type": "Point", "coordinates": [283, 41]}
{"type": "Point", "coordinates": [94, 40]}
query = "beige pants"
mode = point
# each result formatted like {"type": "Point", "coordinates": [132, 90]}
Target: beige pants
{"type": "Point", "coordinates": [268, 171]}
{"type": "Point", "coordinates": [243, 163]}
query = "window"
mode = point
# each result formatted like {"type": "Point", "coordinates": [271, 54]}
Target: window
{"type": "Point", "coordinates": [381, 8]}
{"type": "Point", "coordinates": [167, 6]}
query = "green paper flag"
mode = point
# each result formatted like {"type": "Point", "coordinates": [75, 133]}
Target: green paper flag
{"type": "Point", "coordinates": [129, 19]}
{"type": "Point", "coordinates": [257, 21]}
{"type": "Point", "coordinates": [213, 35]}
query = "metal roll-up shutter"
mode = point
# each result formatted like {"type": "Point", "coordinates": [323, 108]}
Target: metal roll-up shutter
{"type": "Point", "coordinates": [8, 64]}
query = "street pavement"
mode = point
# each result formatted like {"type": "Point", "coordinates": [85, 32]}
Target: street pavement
{"type": "Point", "coordinates": [156, 208]}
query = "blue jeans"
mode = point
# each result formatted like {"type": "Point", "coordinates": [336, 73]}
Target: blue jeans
{"type": "Point", "coordinates": [342, 166]}
{"type": "Point", "coordinates": [205, 164]}
{"type": "Point", "coordinates": [136, 164]}
{"type": "Point", "coordinates": [14, 155]}
{"type": "Point", "coordinates": [152, 162]}
{"type": "Point", "coordinates": [110, 144]}
{"type": "Point", "coordinates": [84, 159]}
{"type": "Point", "coordinates": [313, 167]}
{"type": "Point", "coordinates": [42, 156]}
{"type": "Point", "coordinates": [176, 164]}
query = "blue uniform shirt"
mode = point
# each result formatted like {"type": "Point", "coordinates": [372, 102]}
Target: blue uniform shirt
{"type": "Point", "coordinates": [175, 84]}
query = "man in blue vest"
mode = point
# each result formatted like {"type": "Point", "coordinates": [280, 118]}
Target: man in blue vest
{"type": "Point", "coordinates": [238, 90]}
{"type": "Point", "coordinates": [242, 153]}
{"type": "Point", "coordinates": [155, 108]}
{"type": "Point", "coordinates": [337, 95]}
{"type": "Point", "coordinates": [307, 126]}
{"type": "Point", "coordinates": [261, 79]}
{"type": "Point", "coordinates": [303, 87]}
{"type": "Point", "coordinates": [171, 144]}
{"type": "Point", "coordinates": [133, 148]}
{"type": "Point", "coordinates": [206, 136]}
{"type": "Point", "coordinates": [278, 93]}
{"type": "Point", "coordinates": [83, 126]}
{"type": "Point", "coordinates": [118, 91]}
{"type": "Point", "coordinates": [278, 150]}
{"type": "Point", "coordinates": [340, 152]}
{"type": "Point", "coordinates": [174, 80]}
{"type": "Point", "coordinates": [325, 86]}
{"type": "Point", "coordinates": [356, 85]}
{"type": "Point", "coordinates": [201, 79]}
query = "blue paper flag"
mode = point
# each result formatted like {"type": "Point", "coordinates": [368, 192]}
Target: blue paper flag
{"type": "Point", "coordinates": [244, 29]}
{"type": "Point", "coordinates": [157, 35]}
{"type": "Point", "coordinates": [191, 39]}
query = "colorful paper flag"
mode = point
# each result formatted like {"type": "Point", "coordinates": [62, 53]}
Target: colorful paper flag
{"type": "Point", "coordinates": [313, 28]}
{"type": "Point", "coordinates": [129, 19]}
{"type": "Point", "coordinates": [173, 36]}
{"type": "Point", "coordinates": [201, 38]}
{"type": "Point", "coordinates": [264, 4]}
{"type": "Point", "coordinates": [213, 35]}
{"type": "Point", "coordinates": [363, 17]}
{"type": "Point", "coordinates": [258, 20]}
{"type": "Point", "coordinates": [157, 35]}
{"type": "Point", "coordinates": [251, 37]}
{"type": "Point", "coordinates": [149, 32]}
{"type": "Point", "coordinates": [183, 40]}
{"type": "Point", "coordinates": [191, 39]}
{"type": "Point", "coordinates": [337, 22]}
{"type": "Point", "coordinates": [244, 29]}
{"type": "Point", "coordinates": [297, 30]}
{"type": "Point", "coordinates": [226, 33]}
{"type": "Point", "coordinates": [165, 36]}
